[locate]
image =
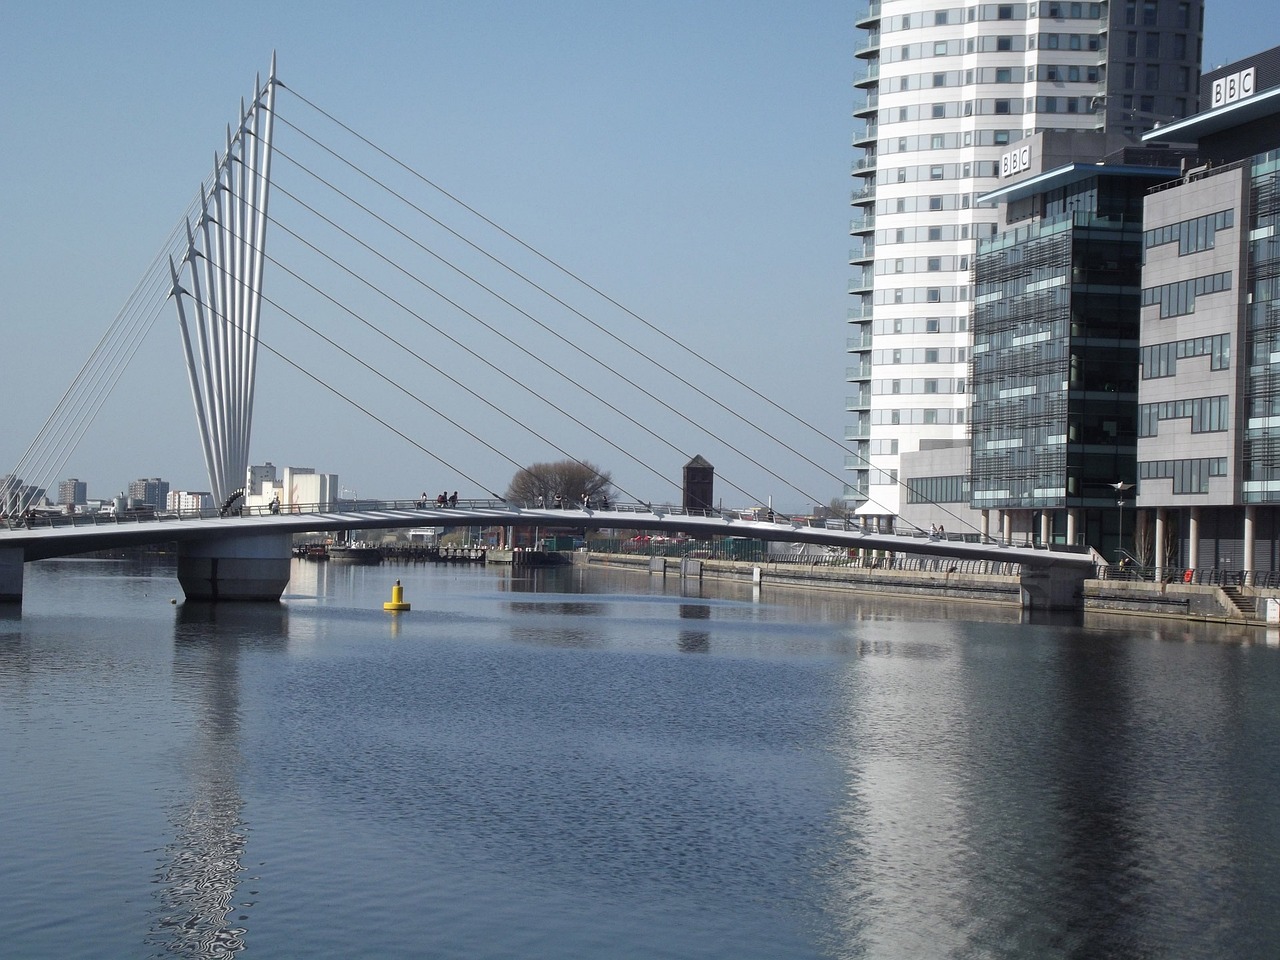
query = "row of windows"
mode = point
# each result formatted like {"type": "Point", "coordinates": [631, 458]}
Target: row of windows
{"type": "Point", "coordinates": [922, 264]}
{"type": "Point", "coordinates": [916, 416]}
{"type": "Point", "coordinates": [1194, 235]}
{"type": "Point", "coordinates": [1161, 359]}
{"type": "Point", "coordinates": [923, 295]}
{"type": "Point", "coordinates": [941, 141]}
{"type": "Point", "coordinates": [948, 171]}
{"type": "Point", "coordinates": [1188, 476]}
{"type": "Point", "coordinates": [953, 489]}
{"type": "Point", "coordinates": [1054, 10]}
{"type": "Point", "coordinates": [986, 11]}
{"type": "Point", "coordinates": [1179, 298]}
{"type": "Point", "coordinates": [1152, 44]}
{"type": "Point", "coordinates": [1065, 41]}
{"type": "Point", "coordinates": [1151, 77]}
{"type": "Point", "coordinates": [946, 201]}
{"type": "Point", "coordinates": [918, 385]}
{"type": "Point", "coordinates": [956, 48]}
{"type": "Point", "coordinates": [950, 231]}
{"type": "Point", "coordinates": [883, 478]}
{"type": "Point", "coordinates": [1150, 10]}
{"type": "Point", "coordinates": [1058, 73]}
{"type": "Point", "coordinates": [921, 355]}
{"type": "Point", "coordinates": [920, 325]}
{"type": "Point", "coordinates": [884, 448]}
{"type": "Point", "coordinates": [1207, 415]}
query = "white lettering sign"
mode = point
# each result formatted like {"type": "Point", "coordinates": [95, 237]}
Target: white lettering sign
{"type": "Point", "coordinates": [1235, 87]}
{"type": "Point", "coordinates": [1015, 161]}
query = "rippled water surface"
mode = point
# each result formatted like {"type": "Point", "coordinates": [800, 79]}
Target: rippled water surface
{"type": "Point", "coordinates": [599, 764]}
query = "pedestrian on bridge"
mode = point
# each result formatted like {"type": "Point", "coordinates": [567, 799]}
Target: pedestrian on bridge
{"type": "Point", "coordinates": [453, 499]}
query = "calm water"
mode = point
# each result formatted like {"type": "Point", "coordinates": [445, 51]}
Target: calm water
{"type": "Point", "coordinates": [591, 764]}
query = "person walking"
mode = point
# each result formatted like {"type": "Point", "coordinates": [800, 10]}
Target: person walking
{"type": "Point", "coordinates": [453, 499]}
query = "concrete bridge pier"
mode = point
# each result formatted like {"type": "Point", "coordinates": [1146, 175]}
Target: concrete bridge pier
{"type": "Point", "coordinates": [1053, 587]}
{"type": "Point", "coordinates": [11, 564]}
{"type": "Point", "coordinates": [242, 567]}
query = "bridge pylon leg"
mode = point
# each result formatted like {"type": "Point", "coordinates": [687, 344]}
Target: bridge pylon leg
{"type": "Point", "coordinates": [11, 565]}
{"type": "Point", "coordinates": [243, 567]}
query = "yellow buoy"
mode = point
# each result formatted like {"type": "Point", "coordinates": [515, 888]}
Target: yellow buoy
{"type": "Point", "coordinates": [396, 603]}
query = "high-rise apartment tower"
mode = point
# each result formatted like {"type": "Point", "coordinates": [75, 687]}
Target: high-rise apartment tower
{"type": "Point", "coordinates": [945, 96]}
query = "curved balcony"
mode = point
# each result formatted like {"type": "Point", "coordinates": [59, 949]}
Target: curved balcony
{"type": "Point", "coordinates": [859, 226]}
{"type": "Point", "coordinates": [867, 106]}
{"type": "Point", "coordinates": [869, 16]}
{"type": "Point", "coordinates": [868, 46]}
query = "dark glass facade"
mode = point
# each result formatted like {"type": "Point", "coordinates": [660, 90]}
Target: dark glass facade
{"type": "Point", "coordinates": [1261, 454]}
{"type": "Point", "coordinates": [1056, 344]}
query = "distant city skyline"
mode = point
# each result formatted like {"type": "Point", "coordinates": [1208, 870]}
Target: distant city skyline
{"type": "Point", "coordinates": [691, 161]}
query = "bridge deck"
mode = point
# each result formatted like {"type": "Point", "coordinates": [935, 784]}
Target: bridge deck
{"type": "Point", "coordinates": [44, 537]}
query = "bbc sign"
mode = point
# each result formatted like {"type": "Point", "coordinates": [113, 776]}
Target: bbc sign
{"type": "Point", "coordinates": [1235, 87]}
{"type": "Point", "coordinates": [1015, 162]}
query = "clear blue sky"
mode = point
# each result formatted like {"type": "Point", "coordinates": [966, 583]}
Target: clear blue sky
{"type": "Point", "coordinates": [690, 159]}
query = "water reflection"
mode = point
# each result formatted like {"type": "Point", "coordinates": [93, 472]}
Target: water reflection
{"type": "Point", "coordinates": [694, 641]}
{"type": "Point", "coordinates": [203, 863]}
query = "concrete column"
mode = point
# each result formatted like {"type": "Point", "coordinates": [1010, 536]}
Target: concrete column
{"type": "Point", "coordinates": [1250, 537]}
{"type": "Point", "coordinates": [1073, 518]}
{"type": "Point", "coordinates": [1006, 526]}
{"type": "Point", "coordinates": [239, 567]}
{"type": "Point", "coordinates": [986, 525]}
{"type": "Point", "coordinates": [1160, 551]}
{"type": "Point", "coordinates": [11, 564]}
{"type": "Point", "coordinates": [1046, 527]}
{"type": "Point", "coordinates": [1193, 539]}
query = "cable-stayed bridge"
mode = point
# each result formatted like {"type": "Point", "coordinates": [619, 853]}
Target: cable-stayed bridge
{"type": "Point", "coordinates": [486, 357]}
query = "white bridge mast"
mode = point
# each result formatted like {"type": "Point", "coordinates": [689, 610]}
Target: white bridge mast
{"type": "Point", "coordinates": [226, 249]}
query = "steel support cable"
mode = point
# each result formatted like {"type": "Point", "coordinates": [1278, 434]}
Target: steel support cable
{"type": "Point", "coordinates": [566, 341]}
{"type": "Point", "coordinates": [448, 376]}
{"type": "Point", "coordinates": [601, 400]}
{"type": "Point", "coordinates": [356, 316]}
{"type": "Point", "coordinates": [75, 433]}
{"type": "Point", "coordinates": [573, 276]}
{"type": "Point", "coordinates": [592, 357]}
{"type": "Point", "coordinates": [83, 399]}
{"type": "Point", "coordinates": [518, 346]}
{"type": "Point", "coordinates": [346, 399]}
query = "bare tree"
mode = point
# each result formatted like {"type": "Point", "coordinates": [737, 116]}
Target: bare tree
{"type": "Point", "coordinates": [541, 482]}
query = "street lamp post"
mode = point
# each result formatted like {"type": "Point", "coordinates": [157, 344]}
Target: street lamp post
{"type": "Point", "coordinates": [1121, 488]}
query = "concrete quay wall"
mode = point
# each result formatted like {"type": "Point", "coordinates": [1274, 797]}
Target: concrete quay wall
{"type": "Point", "coordinates": [1139, 598]}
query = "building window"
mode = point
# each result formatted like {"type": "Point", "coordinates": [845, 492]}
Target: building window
{"type": "Point", "coordinates": [1002, 106]}
{"type": "Point", "coordinates": [1004, 75]}
{"type": "Point", "coordinates": [937, 141]}
{"type": "Point", "coordinates": [1004, 43]}
{"type": "Point", "coordinates": [939, 110]}
{"type": "Point", "coordinates": [940, 18]}
{"type": "Point", "coordinates": [934, 295]}
{"type": "Point", "coordinates": [935, 203]}
{"type": "Point", "coordinates": [940, 48]}
{"type": "Point", "coordinates": [939, 79]}
{"type": "Point", "coordinates": [1004, 12]}
{"type": "Point", "coordinates": [934, 264]}
{"type": "Point", "coordinates": [935, 173]}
